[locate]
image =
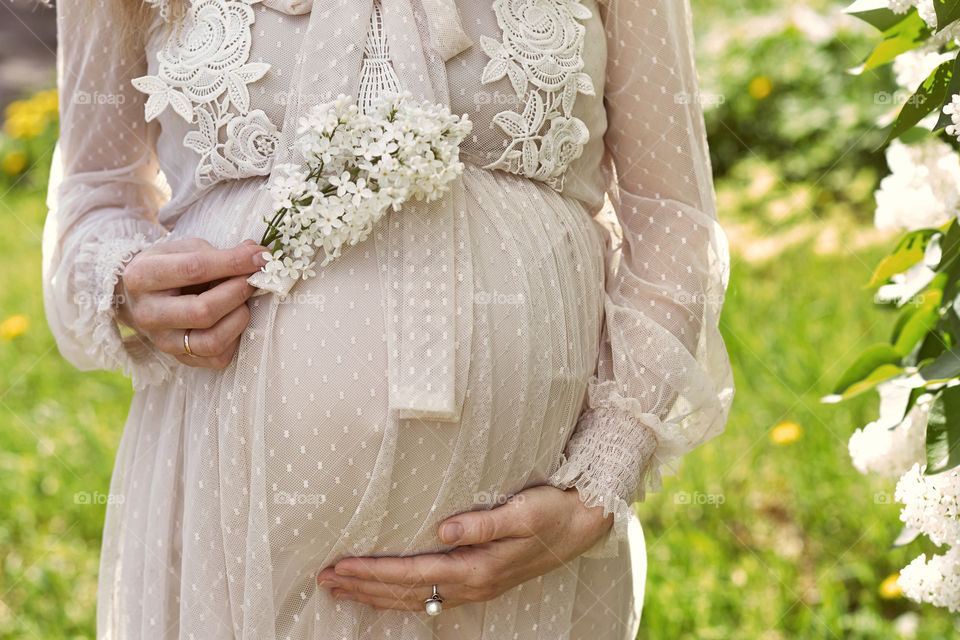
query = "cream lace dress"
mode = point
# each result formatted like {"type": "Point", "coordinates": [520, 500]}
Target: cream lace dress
{"type": "Point", "coordinates": [580, 360]}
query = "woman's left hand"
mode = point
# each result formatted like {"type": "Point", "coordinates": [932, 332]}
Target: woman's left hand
{"type": "Point", "coordinates": [537, 530]}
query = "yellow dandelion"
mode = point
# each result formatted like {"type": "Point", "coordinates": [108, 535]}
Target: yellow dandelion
{"type": "Point", "coordinates": [786, 432]}
{"type": "Point", "coordinates": [24, 125]}
{"type": "Point", "coordinates": [14, 108]}
{"type": "Point", "coordinates": [890, 588]}
{"type": "Point", "coordinates": [47, 101]}
{"type": "Point", "coordinates": [14, 326]}
{"type": "Point", "coordinates": [760, 87]}
{"type": "Point", "coordinates": [29, 118]}
{"type": "Point", "coordinates": [14, 162]}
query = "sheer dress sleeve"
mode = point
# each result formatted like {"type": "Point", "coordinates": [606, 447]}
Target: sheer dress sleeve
{"type": "Point", "coordinates": [103, 196]}
{"type": "Point", "coordinates": [663, 384]}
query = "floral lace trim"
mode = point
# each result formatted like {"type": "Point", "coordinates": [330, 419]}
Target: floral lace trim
{"type": "Point", "coordinates": [203, 75]}
{"type": "Point", "coordinates": [542, 55]}
{"type": "Point", "coordinates": [98, 267]}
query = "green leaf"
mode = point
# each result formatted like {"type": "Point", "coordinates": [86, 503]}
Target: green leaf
{"type": "Point", "coordinates": [912, 400]}
{"type": "Point", "coordinates": [949, 247]}
{"type": "Point", "coordinates": [902, 320]}
{"type": "Point", "coordinates": [881, 374]}
{"type": "Point", "coordinates": [913, 135]}
{"type": "Point", "coordinates": [875, 13]}
{"type": "Point", "coordinates": [947, 11]}
{"type": "Point", "coordinates": [908, 252]}
{"type": "Point", "coordinates": [945, 367]}
{"type": "Point", "coordinates": [952, 89]}
{"type": "Point", "coordinates": [865, 365]}
{"type": "Point", "coordinates": [929, 95]}
{"type": "Point", "coordinates": [919, 324]}
{"type": "Point", "coordinates": [928, 299]}
{"type": "Point", "coordinates": [905, 35]}
{"type": "Point", "coordinates": [951, 286]}
{"type": "Point", "coordinates": [949, 321]}
{"type": "Point", "coordinates": [943, 431]}
{"type": "Point", "coordinates": [929, 349]}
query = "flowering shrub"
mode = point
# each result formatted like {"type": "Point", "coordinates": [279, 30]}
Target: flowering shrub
{"type": "Point", "coordinates": [28, 134]}
{"type": "Point", "coordinates": [917, 373]}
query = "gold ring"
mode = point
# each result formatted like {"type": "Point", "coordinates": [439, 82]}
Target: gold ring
{"type": "Point", "coordinates": [186, 343]}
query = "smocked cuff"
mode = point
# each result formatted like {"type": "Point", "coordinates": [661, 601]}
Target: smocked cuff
{"type": "Point", "coordinates": [97, 269]}
{"type": "Point", "coordinates": [607, 459]}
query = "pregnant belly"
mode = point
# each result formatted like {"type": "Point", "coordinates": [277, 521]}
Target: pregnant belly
{"type": "Point", "coordinates": [535, 309]}
{"type": "Point", "coordinates": [326, 401]}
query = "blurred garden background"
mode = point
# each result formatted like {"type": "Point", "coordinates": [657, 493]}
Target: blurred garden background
{"type": "Point", "coordinates": [767, 532]}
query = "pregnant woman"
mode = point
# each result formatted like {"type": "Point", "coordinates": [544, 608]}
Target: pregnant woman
{"type": "Point", "coordinates": [441, 433]}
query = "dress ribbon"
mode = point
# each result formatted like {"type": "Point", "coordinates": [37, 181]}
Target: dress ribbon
{"type": "Point", "coordinates": [426, 288]}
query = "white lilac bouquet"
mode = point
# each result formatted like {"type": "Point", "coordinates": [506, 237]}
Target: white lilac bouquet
{"type": "Point", "coordinates": [358, 165]}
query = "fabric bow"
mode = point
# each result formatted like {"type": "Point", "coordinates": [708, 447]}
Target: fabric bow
{"type": "Point", "coordinates": [447, 36]}
{"type": "Point", "coordinates": [422, 280]}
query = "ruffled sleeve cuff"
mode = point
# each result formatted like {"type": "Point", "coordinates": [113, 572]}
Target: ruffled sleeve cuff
{"type": "Point", "coordinates": [613, 455]}
{"type": "Point", "coordinates": [97, 269]}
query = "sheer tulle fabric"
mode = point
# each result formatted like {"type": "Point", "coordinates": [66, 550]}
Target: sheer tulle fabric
{"type": "Point", "coordinates": [663, 367]}
{"type": "Point", "coordinates": [577, 364]}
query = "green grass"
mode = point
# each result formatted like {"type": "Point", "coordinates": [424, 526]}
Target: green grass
{"type": "Point", "coordinates": [799, 546]}
{"type": "Point", "coordinates": [797, 550]}
{"type": "Point", "coordinates": [59, 429]}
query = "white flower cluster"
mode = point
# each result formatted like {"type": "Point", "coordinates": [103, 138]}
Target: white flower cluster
{"type": "Point", "coordinates": [953, 110]}
{"type": "Point", "coordinates": [893, 447]}
{"type": "Point", "coordinates": [890, 446]}
{"type": "Point", "coordinates": [936, 581]}
{"type": "Point", "coordinates": [358, 164]}
{"type": "Point", "coordinates": [923, 188]}
{"type": "Point", "coordinates": [931, 503]}
{"type": "Point", "coordinates": [929, 14]}
{"type": "Point", "coordinates": [931, 506]}
{"type": "Point", "coordinates": [900, 6]}
{"type": "Point", "coordinates": [913, 67]}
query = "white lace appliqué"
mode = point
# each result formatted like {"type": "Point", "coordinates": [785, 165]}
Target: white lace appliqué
{"type": "Point", "coordinates": [542, 55]}
{"type": "Point", "coordinates": [204, 72]}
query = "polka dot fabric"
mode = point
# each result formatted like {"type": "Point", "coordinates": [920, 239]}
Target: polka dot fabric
{"type": "Point", "coordinates": [593, 359]}
{"type": "Point", "coordinates": [663, 384]}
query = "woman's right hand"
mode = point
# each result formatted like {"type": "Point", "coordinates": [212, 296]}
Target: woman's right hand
{"type": "Point", "coordinates": [191, 285]}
